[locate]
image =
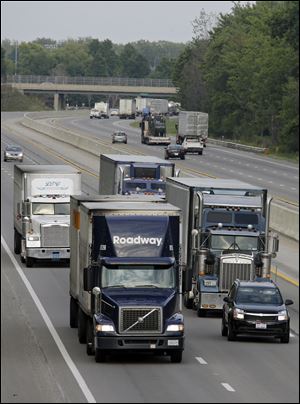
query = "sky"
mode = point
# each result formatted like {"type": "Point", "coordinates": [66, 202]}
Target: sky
{"type": "Point", "coordinates": [119, 21]}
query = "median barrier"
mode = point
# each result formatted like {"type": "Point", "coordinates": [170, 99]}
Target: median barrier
{"type": "Point", "coordinates": [282, 219]}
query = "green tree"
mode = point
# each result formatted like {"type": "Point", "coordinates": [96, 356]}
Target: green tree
{"type": "Point", "coordinates": [33, 59]}
{"type": "Point", "coordinates": [3, 62]}
{"type": "Point", "coordinates": [133, 64]}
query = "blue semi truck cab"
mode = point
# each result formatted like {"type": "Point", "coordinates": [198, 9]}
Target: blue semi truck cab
{"type": "Point", "coordinates": [130, 290]}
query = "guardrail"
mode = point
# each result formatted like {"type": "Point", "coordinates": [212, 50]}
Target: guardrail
{"type": "Point", "coordinates": [238, 146]}
{"type": "Point", "coordinates": [283, 219]}
{"type": "Point", "coordinates": [117, 81]}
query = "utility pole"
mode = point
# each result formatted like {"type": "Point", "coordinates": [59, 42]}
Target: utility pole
{"type": "Point", "coordinates": [16, 56]}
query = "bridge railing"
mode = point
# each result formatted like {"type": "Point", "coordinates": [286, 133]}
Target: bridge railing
{"type": "Point", "coordinates": [82, 80]}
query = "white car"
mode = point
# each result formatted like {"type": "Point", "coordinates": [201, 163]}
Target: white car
{"type": "Point", "coordinates": [13, 153]}
{"type": "Point", "coordinates": [119, 137]}
{"type": "Point", "coordinates": [114, 112]}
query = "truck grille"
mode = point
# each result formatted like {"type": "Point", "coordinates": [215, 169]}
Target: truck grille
{"type": "Point", "coordinates": [55, 236]}
{"type": "Point", "coordinates": [140, 320]}
{"type": "Point", "coordinates": [234, 268]}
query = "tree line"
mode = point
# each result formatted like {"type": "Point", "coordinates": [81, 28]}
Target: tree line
{"type": "Point", "coordinates": [241, 67]}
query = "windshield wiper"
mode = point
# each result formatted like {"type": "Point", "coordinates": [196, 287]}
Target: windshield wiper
{"type": "Point", "coordinates": [145, 286]}
{"type": "Point", "coordinates": [117, 286]}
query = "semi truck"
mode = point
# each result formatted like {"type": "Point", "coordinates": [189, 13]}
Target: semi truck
{"type": "Point", "coordinates": [192, 130]}
{"type": "Point", "coordinates": [134, 174]}
{"type": "Point", "coordinates": [125, 263]}
{"type": "Point", "coordinates": [100, 110]}
{"type": "Point", "coordinates": [153, 130]}
{"type": "Point", "coordinates": [42, 211]}
{"type": "Point", "coordinates": [225, 236]}
{"type": "Point", "coordinates": [127, 108]}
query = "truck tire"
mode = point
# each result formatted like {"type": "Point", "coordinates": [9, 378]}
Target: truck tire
{"type": "Point", "coordinates": [73, 313]}
{"type": "Point", "coordinates": [82, 323]}
{"type": "Point", "coordinates": [200, 153]}
{"type": "Point", "coordinates": [188, 303]}
{"type": "Point", "coordinates": [29, 262]}
{"type": "Point", "coordinates": [176, 357]}
{"type": "Point", "coordinates": [17, 242]}
{"type": "Point", "coordinates": [90, 349]}
{"type": "Point", "coordinates": [100, 355]}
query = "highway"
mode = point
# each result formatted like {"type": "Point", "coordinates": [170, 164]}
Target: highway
{"type": "Point", "coordinates": [42, 360]}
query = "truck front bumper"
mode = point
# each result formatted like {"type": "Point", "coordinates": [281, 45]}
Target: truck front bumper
{"type": "Point", "coordinates": [54, 254]}
{"type": "Point", "coordinates": [139, 343]}
{"type": "Point", "coordinates": [159, 140]}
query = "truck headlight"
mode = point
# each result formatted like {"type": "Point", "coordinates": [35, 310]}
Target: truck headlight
{"type": "Point", "coordinates": [175, 327]}
{"type": "Point", "coordinates": [282, 315]}
{"type": "Point", "coordinates": [210, 282]}
{"type": "Point", "coordinates": [33, 238]}
{"type": "Point", "coordinates": [104, 328]}
{"type": "Point", "coordinates": [238, 314]}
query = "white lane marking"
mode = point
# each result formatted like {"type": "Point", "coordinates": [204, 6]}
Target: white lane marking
{"type": "Point", "coordinates": [81, 382]}
{"type": "Point", "coordinates": [201, 360]}
{"type": "Point", "coordinates": [227, 387]}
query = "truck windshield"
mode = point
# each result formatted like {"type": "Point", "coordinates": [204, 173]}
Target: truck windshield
{"type": "Point", "coordinates": [138, 276]}
{"type": "Point", "coordinates": [134, 186]}
{"type": "Point", "coordinates": [50, 208]}
{"type": "Point", "coordinates": [159, 187]}
{"type": "Point", "coordinates": [224, 242]}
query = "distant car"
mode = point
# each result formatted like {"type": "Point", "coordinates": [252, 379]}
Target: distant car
{"type": "Point", "coordinates": [114, 112]}
{"type": "Point", "coordinates": [12, 152]}
{"type": "Point", "coordinates": [255, 307]}
{"type": "Point", "coordinates": [119, 137]}
{"type": "Point", "coordinates": [174, 151]}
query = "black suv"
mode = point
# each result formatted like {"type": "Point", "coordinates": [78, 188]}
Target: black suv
{"type": "Point", "coordinates": [174, 151]}
{"type": "Point", "coordinates": [255, 307]}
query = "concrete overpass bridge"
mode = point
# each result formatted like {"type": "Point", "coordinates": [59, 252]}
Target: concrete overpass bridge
{"type": "Point", "coordinates": [60, 86]}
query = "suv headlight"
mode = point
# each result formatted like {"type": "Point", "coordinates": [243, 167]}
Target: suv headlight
{"type": "Point", "coordinates": [238, 314]}
{"type": "Point", "coordinates": [282, 315]}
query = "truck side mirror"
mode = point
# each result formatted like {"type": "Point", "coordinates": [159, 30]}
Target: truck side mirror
{"type": "Point", "coordinates": [275, 247]}
{"type": "Point", "coordinates": [90, 275]}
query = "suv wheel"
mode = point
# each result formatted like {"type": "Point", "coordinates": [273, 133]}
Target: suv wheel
{"type": "Point", "coordinates": [224, 329]}
{"type": "Point", "coordinates": [285, 339]}
{"type": "Point", "coordinates": [231, 336]}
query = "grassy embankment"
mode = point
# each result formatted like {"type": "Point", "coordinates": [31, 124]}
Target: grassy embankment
{"type": "Point", "coordinates": [13, 100]}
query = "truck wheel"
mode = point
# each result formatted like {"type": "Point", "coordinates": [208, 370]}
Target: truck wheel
{"type": "Point", "coordinates": [99, 355]}
{"type": "Point", "coordinates": [176, 357]}
{"type": "Point", "coordinates": [200, 153]}
{"type": "Point", "coordinates": [200, 312]}
{"type": "Point", "coordinates": [82, 319]}
{"type": "Point", "coordinates": [73, 313]}
{"type": "Point", "coordinates": [17, 242]}
{"type": "Point", "coordinates": [224, 329]}
{"type": "Point", "coordinates": [90, 350]}
{"type": "Point", "coordinates": [29, 262]}
{"type": "Point", "coordinates": [231, 336]}
{"type": "Point", "coordinates": [188, 303]}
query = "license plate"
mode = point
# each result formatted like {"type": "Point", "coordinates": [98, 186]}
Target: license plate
{"type": "Point", "coordinates": [261, 326]}
{"type": "Point", "coordinates": [173, 342]}
{"type": "Point", "coordinates": [55, 255]}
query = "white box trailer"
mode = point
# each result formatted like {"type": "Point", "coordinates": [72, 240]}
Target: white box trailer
{"type": "Point", "coordinates": [192, 124]}
{"type": "Point", "coordinates": [42, 211]}
{"type": "Point", "coordinates": [127, 108]}
{"type": "Point", "coordinates": [159, 106]}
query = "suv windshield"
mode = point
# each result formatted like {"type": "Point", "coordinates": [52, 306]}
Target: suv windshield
{"type": "Point", "coordinates": [258, 295]}
{"type": "Point", "coordinates": [50, 208]}
{"type": "Point", "coordinates": [14, 148]}
{"type": "Point", "coordinates": [133, 277]}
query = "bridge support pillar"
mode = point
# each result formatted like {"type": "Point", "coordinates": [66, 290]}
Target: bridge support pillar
{"type": "Point", "coordinates": [59, 102]}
